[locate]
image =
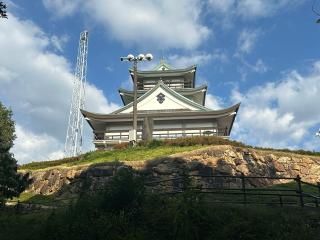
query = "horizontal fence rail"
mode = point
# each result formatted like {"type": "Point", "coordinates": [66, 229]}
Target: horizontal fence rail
{"type": "Point", "coordinates": [228, 190]}
{"type": "Point", "coordinates": [245, 193]}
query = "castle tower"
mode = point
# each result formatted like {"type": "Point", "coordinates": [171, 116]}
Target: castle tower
{"type": "Point", "coordinates": [169, 106]}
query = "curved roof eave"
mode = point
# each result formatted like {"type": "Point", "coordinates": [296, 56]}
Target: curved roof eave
{"type": "Point", "coordinates": [181, 70]}
{"type": "Point", "coordinates": [218, 113]}
{"type": "Point", "coordinates": [190, 90]}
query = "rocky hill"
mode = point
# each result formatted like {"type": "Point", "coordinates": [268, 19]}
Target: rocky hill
{"type": "Point", "coordinates": [221, 159]}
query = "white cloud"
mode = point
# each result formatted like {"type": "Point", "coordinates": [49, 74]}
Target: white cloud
{"type": "Point", "coordinates": [221, 6]}
{"type": "Point", "coordinates": [280, 114]}
{"type": "Point", "coordinates": [197, 58]}
{"type": "Point", "coordinates": [247, 40]}
{"type": "Point", "coordinates": [31, 147]}
{"type": "Point", "coordinates": [262, 8]}
{"type": "Point", "coordinates": [59, 42]}
{"type": "Point", "coordinates": [258, 67]}
{"type": "Point", "coordinates": [7, 75]}
{"type": "Point", "coordinates": [37, 84]}
{"type": "Point", "coordinates": [250, 9]}
{"type": "Point", "coordinates": [213, 102]}
{"type": "Point", "coordinates": [157, 24]}
{"type": "Point", "coordinates": [62, 8]}
{"type": "Point", "coordinates": [148, 24]}
{"type": "Point", "coordinates": [180, 61]}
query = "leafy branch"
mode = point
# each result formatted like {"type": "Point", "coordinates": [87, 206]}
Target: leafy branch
{"type": "Point", "coordinates": [3, 10]}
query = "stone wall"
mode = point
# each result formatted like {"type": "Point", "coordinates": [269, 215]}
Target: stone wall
{"type": "Point", "coordinates": [213, 160]}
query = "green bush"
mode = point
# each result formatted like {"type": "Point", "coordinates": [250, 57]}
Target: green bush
{"type": "Point", "coordinates": [126, 191]}
{"type": "Point", "coordinates": [201, 140]}
{"type": "Point", "coordinates": [123, 145]}
{"type": "Point", "coordinates": [125, 210]}
{"type": "Point", "coordinates": [155, 143]}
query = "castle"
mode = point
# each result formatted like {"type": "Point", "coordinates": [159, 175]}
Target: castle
{"type": "Point", "coordinates": [169, 105]}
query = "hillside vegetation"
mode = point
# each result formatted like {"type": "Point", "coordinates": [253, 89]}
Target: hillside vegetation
{"type": "Point", "coordinates": [148, 150]}
{"type": "Point", "coordinates": [127, 211]}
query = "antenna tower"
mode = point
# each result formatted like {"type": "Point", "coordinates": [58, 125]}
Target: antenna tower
{"type": "Point", "coordinates": [73, 142]}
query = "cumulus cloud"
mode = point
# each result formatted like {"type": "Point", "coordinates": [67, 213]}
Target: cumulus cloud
{"type": "Point", "coordinates": [213, 102]}
{"type": "Point", "coordinates": [250, 9]}
{"type": "Point", "coordinates": [175, 24]}
{"type": "Point", "coordinates": [280, 114]}
{"type": "Point", "coordinates": [149, 24]}
{"type": "Point", "coordinates": [37, 84]}
{"type": "Point", "coordinates": [30, 146]}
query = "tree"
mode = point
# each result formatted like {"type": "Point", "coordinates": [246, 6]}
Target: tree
{"type": "Point", "coordinates": [3, 10]}
{"type": "Point", "coordinates": [12, 183]}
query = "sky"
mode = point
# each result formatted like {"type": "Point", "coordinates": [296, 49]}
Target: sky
{"type": "Point", "coordinates": [264, 54]}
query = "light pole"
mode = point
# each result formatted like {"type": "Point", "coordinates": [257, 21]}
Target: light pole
{"type": "Point", "coordinates": [134, 60]}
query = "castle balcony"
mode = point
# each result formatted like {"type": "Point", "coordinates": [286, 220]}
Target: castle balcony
{"type": "Point", "coordinates": [109, 139]}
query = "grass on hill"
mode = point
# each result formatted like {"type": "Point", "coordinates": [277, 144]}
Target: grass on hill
{"type": "Point", "coordinates": [130, 154]}
{"type": "Point", "coordinates": [31, 197]}
{"type": "Point", "coordinates": [149, 150]}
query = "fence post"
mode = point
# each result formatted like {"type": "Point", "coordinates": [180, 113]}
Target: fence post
{"type": "Point", "coordinates": [244, 188]}
{"type": "Point", "coordinates": [18, 206]}
{"type": "Point", "coordinates": [298, 179]}
{"type": "Point", "coordinates": [280, 198]}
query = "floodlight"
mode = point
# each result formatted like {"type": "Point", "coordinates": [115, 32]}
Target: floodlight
{"type": "Point", "coordinates": [130, 57]}
{"type": "Point", "coordinates": [140, 57]}
{"type": "Point", "coordinates": [149, 56]}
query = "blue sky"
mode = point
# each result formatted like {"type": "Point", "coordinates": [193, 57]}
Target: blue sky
{"type": "Point", "coordinates": [262, 53]}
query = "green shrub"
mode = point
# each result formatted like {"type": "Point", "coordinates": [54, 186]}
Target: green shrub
{"type": "Point", "coordinates": [123, 145]}
{"type": "Point", "coordinates": [155, 143]}
{"type": "Point", "coordinates": [202, 140]}
{"type": "Point", "coordinates": [126, 191]}
{"type": "Point", "coordinates": [125, 211]}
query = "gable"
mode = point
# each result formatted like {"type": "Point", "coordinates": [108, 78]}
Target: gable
{"type": "Point", "coordinates": [162, 66]}
{"type": "Point", "coordinates": [162, 98]}
{"type": "Point", "coordinates": [194, 94]}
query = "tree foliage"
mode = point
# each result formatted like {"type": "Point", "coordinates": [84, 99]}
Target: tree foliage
{"type": "Point", "coordinates": [12, 183]}
{"type": "Point", "coordinates": [3, 10]}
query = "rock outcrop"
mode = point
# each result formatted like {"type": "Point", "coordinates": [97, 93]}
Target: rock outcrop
{"type": "Point", "coordinates": [212, 160]}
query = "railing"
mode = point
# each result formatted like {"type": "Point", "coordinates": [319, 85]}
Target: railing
{"type": "Point", "coordinates": [182, 134]}
{"type": "Point", "coordinates": [215, 191]}
{"type": "Point", "coordinates": [167, 135]}
{"type": "Point", "coordinates": [117, 137]}
{"type": "Point", "coordinates": [244, 193]}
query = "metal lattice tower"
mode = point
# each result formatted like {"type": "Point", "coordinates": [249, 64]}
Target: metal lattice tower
{"type": "Point", "coordinates": [73, 142]}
